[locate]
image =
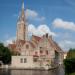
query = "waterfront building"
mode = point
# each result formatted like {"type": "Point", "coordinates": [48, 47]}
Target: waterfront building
{"type": "Point", "coordinates": [38, 52]}
{"type": "Point", "coordinates": [65, 55]}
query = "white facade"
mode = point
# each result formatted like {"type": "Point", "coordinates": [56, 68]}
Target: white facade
{"type": "Point", "coordinates": [27, 62]}
{"type": "Point", "coordinates": [22, 61]}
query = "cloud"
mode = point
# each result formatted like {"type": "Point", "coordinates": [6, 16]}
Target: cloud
{"type": "Point", "coordinates": [33, 15]}
{"type": "Point", "coordinates": [9, 41]}
{"type": "Point", "coordinates": [67, 44]}
{"type": "Point", "coordinates": [59, 23]}
{"type": "Point", "coordinates": [30, 13]}
{"type": "Point", "coordinates": [40, 30]}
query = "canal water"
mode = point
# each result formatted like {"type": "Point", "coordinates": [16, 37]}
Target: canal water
{"type": "Point", "coordinates": [58, 71]}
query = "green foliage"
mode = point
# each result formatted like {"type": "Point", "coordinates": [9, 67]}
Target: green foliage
{"type": "Point", "coordinates": [69, 62]}
{"type": "Point", "coordinates": [69, 65]}
{"type": "Point", "coordinates": [71, 54]}
{"type": "Point", "coordinates": [5, 54]}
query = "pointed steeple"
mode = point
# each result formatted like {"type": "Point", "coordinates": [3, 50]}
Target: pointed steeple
{"type": "Point", "coordinates": [22, 4]}
{"type": "Point", "coordinates": [22, 16]}
{"type": "Point", "coordinates": [21, 25]}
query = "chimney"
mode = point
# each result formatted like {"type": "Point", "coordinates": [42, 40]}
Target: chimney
{"type": "Point", "coordinates": [46, 35]}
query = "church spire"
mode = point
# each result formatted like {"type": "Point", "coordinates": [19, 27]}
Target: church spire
{"type": "Point", "coordinates": [22, 16]}
{"type": "Point", "coordinates": [21, 25]}
{"type": "Point", "coordinates": [22, 4]}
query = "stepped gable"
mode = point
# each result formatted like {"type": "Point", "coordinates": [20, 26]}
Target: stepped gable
{"type": "Point", "coordinates": [22, 42]}
{"type": "Point", "coordinates": [19, 44]}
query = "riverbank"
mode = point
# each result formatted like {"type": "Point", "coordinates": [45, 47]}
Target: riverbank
{"type": "Point", "coordinates": [57, 71]}
{"type": "Point", "coordinates": [8, 67]}
{"type": "Point", "coordinates": [20, 68]}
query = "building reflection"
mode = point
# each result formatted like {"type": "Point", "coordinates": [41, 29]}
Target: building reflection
{"type": "Point", "coordinates": [58, 71]}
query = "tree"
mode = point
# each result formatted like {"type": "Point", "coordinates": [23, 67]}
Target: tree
{"type": "Point", "coordinates": [69, 62]}
{"type": "Point", "coordinates": [71, 54]}
{"type": "Point", "coordinates": [5, 54]}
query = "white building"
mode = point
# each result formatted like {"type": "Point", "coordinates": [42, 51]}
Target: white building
{"type": "Point", "coordinates": [38, 53]}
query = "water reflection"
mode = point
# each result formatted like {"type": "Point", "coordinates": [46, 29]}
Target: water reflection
{"type": "Point", "coordinates": [27, 72]}
{"type": "Point", "coordinates": [58, 71]}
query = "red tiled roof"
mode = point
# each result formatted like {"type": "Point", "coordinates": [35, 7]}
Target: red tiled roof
{"type": "Point", "coordinates": [36, 38]}
{"type": "Point", "coordinates": [55, 45]}
{"type": "Point", "coordinates": [12, 46]}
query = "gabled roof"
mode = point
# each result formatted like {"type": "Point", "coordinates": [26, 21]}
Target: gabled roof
{"type": "Point", "coordinates": [20, 42]}
{"type": "Point", "coordinates": [37, 38]}
{"type": "Point", "coordinates": [12, 46]}
{"type": "Point", "coordinates": [55, 46]}
{"type": "Point", "coordinates": [31, 44]}
{"type": "Point", "coordinates": [52, 43]}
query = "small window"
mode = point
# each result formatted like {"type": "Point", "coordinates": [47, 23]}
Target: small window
{"type": "Point", "coordinates": [41, 51]}
{"type": "Point", "coordinates": [47, 52]}
{"type": "Point", "coordinates": [35, 59]}
{"type": "Point", "coordinates": [21, 60]}
{"type": "Point", "coordinates": [25, 60]}
{"type": "Point", "coordinates": [27, 46]}
{"type": "Point", "coordinates": [36, 53]}
{"type": "Point", "coordinates": [40, 47]}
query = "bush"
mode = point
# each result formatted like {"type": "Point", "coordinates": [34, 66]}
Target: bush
{"type": "Point", "coordinates": [5, 54]}
{"type": "Point", "coordinates": [69, 65]}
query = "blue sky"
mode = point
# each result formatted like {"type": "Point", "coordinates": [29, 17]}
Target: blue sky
{"type": "Point", "coordinates": [57, 16]}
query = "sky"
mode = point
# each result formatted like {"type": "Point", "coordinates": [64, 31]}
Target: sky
{"type": "Point", "coordinates": [55, 17]}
